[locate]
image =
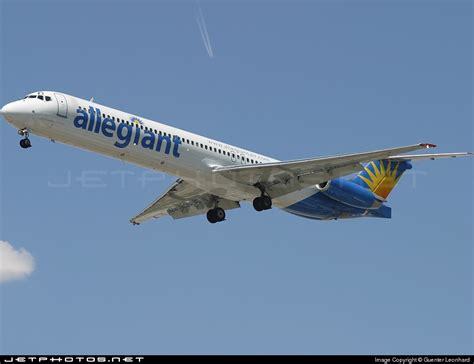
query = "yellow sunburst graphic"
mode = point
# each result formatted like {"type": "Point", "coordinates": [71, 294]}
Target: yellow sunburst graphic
{"type": "Point", "coordinates": [382, 180]}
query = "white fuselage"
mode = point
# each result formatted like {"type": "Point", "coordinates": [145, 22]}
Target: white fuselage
{"type": "Point", "coordinates": [150, 144]}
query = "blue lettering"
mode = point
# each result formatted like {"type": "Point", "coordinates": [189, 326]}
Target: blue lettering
{"type": "Point", "coordinates": [97, 121]}
{"type": "Point", "coordinates": [137, 135]}
{"type": "Point", "coordinates": [125, 139]}
{"type": "Point", "coordinates": [160, 141]}
{"type": "Point", "coordinates": [92, 119]}
{"type": "Point", "coordinates": [108, 126]}
{"type": "Point", "coordinates": [148, 141]}
{"type": "Point", "coordinates": [177, 142]}
{"type": "Point", "coordinates": [80, 121]}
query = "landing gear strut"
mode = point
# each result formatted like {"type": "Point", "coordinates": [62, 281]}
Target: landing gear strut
{"type": "Point", "coordinates": [264, 202]}
{"type": "Point", "coordinates": [216, 214]}
{"type": "Point", "coordinates": [25, 142]}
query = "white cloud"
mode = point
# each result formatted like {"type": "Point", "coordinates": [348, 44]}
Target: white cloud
{"type": "Point", "coordinates": [14, 264]}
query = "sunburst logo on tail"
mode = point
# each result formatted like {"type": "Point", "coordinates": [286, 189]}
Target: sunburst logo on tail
{"type": "Point", "coordinates": [382, 176]}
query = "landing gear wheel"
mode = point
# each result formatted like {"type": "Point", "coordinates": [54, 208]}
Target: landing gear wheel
{"type": "Point", "coordinates": [262, 203]}
{"type": "Point", "coordinates": [257, 204]}
{"type": "Point", "coordinates": [216, 215]}
{"type": "Point", "coordinates": [219, 213]}
{"type": "Point", "coordinates": [266, 202]}
{"type": "Point", "coordinates": [25, 143]}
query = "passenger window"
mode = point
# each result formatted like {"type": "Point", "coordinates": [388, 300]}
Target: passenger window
{"type": "Point", "coordinates": [205, 147]}
{"type": "Point", "coordinates": [192, 142]}
{"type": "Point", "coordinates": [233, 155]}
{"type": "Point", "coordinates": [202, 146]}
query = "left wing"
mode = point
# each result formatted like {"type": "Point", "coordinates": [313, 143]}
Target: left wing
{"type": "Point", "coordinates": [279, 178]}
{"type": "Point", "coordinates": [182, 199]}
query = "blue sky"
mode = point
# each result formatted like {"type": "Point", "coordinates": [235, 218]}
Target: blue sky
{"type": "Point", "coordinates": [289, 80]}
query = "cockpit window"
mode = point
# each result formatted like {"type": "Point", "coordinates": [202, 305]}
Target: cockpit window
{"type": "Point", "coordinates": [32, 97]}
{"type": "Point", "coordinates": [48, 98]}
{"type": "Point", "coordinates": [40, 97]}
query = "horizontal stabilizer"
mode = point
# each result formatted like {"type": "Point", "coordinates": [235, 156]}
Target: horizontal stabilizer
{"type": "Point", "coordinates": [415, 157]}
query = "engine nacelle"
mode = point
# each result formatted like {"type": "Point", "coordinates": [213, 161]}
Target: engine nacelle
{"type": "Point", "coordinates": [323, 186]}
{"type": "Point", "coordinates": [349, 193]}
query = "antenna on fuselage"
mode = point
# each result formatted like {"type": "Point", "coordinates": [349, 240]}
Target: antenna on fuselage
{"type": "Point", "coordinates": [92, 99]}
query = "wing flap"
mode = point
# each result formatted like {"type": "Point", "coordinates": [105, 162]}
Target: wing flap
{"type": "Point", "coordinates": [182, 200]}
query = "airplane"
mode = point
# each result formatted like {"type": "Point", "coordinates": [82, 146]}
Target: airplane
{"type": "Point", "coordinates": [213, 176]}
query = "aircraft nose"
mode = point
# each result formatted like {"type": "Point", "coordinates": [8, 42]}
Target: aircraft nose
{"type": "Point", "coordinates": [12, 112]}
{"type": "Point", "coordinates": [9, 109]}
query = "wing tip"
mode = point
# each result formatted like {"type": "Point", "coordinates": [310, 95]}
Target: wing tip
{"type": "Point", "coordinates": [427, 145]}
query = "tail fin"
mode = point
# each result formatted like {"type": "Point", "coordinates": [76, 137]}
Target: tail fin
{"type": "Point", "coordinates": [381, 176]}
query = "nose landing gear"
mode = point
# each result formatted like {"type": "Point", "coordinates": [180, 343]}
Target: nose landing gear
{"type": "Point", "coordinates": [25, 143]}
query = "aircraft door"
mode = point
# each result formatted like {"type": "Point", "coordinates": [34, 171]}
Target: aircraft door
{"type": "Point", "coordinates": [62, 104]}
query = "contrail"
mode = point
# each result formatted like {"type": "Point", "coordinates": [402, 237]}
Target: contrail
{"type": "Point", "coordinates": [203, 29]}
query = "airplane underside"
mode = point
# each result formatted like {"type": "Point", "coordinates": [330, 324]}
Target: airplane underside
{"type": "Point", "coordinates": [321, 207]}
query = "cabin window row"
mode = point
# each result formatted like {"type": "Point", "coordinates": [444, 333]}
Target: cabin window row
{"type": "Point", "coordinates": [187, 141]}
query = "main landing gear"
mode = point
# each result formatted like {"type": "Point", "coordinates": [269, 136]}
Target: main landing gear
{"type": "Point", "coordinates": [264, 202]}
{"type": "Point", "coordinates": [25, 143]}
{"type": "Point", "coordinates": [216, 214]}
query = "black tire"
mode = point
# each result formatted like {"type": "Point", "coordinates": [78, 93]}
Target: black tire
{"type": "Point", "coordinates": [266, 202]}
{"type": "Point", "coordinates": [257, 204]}
{"type": "Point", "coordinates": [219, 213]}
{"type": "Point", "coordinates": [211, 216]}
{"type": "Point", "coordinates": [25, 143]}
